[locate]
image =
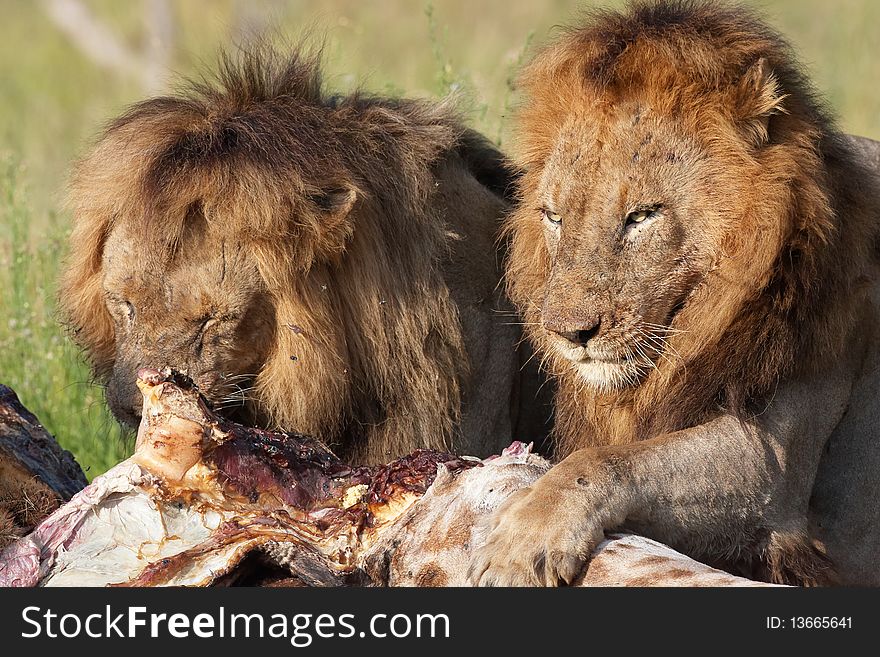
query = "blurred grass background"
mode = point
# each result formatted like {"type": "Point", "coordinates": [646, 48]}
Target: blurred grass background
{"type": "Point", "coordinates": [54, 97]}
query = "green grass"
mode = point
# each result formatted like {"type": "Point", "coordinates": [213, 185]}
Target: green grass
{"type": "Point", "coordinates": [36, 358]}
{"type": "Point", "coordinates": [53, 100]}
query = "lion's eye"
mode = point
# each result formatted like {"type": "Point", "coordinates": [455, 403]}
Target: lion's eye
{"type": "Point", "coordinates": [211, 323]}
{"type": "Point", "coordinates": [641, 216]}
{"type": "Point", "coordinates": [552, 217]}
{"type": "Point", "coordinates": [205, 324]}
{"type": "Point", "coordinates": [120, 307]}
{"type": "Point", "coordinates": [208, 323]}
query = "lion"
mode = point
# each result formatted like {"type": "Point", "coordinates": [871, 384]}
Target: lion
{"type": "Point", "coordinates": [322, 264]}
{"type": "Point", "coordinates": [695, 253]}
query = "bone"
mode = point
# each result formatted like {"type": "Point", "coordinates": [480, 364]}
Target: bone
{"type": "Point", "coordinates": [204, 501]}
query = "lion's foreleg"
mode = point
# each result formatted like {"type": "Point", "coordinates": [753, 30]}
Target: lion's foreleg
{"type": "Point", "coordinates": [730, 489]}
{"type": "Point", "coordinates": [727, 491]}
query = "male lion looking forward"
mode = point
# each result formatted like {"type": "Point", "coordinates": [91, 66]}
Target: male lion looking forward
{"type": "Point", "coordinates": [695, 253]}
{"type": "Point", "coordinates": [325, 265]}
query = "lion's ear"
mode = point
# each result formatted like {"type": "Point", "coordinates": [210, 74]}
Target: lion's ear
{"type": "Point", "coordinates": [334, 201]}
{"type": "Point", "coordinates": [328, 226]}
{"type": "Point", "coordinates": [758, 98]}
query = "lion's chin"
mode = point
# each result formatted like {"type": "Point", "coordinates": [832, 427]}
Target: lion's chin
{"type": "Point", "coordinates": [606, 376]}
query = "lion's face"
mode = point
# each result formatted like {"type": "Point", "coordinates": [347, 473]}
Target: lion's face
{"type": "Point", "coordinates": [630, 217]}
{"type": "Point", "coordinates": [206, 312]}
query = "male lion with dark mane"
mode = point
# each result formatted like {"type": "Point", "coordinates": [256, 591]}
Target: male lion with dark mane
{"type": "Point", "coordinates": [327, 265]}
{"type": "Point", "coordinates": [695, 252]}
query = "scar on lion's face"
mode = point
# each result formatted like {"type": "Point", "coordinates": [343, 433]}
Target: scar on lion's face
{"type": "Point", "coordinates": [628, 210]}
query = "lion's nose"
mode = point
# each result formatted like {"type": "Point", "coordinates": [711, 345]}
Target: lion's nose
{"type": "Point", "coordinates": [579, 336]}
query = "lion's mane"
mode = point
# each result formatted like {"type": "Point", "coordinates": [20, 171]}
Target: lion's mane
{"type": "Point", "coordinates": [791, 271]}
{"type": "Point", "coordinates": [266, 152]}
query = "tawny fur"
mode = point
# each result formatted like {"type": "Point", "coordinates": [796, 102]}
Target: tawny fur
{"type": "Point", "coordinates": [785, 248]}
{"type": "Point", "coordinates": [370, 226]}
{"type": "Point", "coordinates": [24, 501]}
{"type": "Point", "coordinates": [782, 286]}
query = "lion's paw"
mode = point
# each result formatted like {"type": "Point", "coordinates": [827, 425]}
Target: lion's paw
{"type": "Point", "coordinates": [533, 541]}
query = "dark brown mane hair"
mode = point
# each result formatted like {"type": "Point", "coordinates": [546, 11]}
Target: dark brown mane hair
{"type": "Point", "coordinates": [338, 187]}
{"type": "Point", "coordinates": [780, 301]}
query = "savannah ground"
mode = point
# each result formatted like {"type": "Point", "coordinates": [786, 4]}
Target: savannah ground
{"type": "Point", "coordinates": [54, 98]}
